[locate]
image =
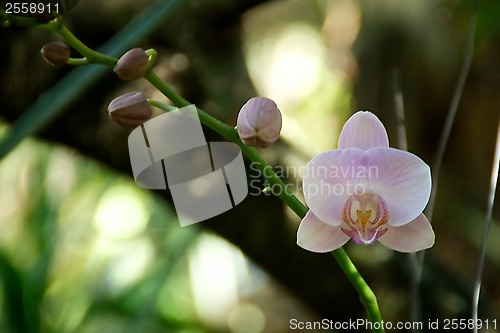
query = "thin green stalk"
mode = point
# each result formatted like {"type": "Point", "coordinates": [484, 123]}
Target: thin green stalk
{"type": "Point", "coordinates": [367, 296]}
{"type": "Point", "coordinates": [77, 61]}
{"type": "Point", "coordinates": [15, 21]}
{"type": "Point", "coordinates": [84, 50]}
{"type": "Point", "coordinates": [231, 134]}
{"type": "Point", "coordinates": [160, 105]}
{"type": "Point", "coordinates": [69, 89]}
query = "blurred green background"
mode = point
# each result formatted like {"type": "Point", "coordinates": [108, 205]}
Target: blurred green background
{"type": "Point", "coordinates": [83, 249]}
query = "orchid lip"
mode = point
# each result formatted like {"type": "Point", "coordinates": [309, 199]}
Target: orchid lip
{"type": "Point", "coordinates": [365, 216]}
{"type": "Point", "coordinates": [359, 239]}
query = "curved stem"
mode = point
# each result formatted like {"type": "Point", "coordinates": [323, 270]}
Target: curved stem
{"type": "Point", "coordinates": [152, 57]}
{"type": "Point", "coordinates": [77, 61]}
{"type": "Point", "coordinates": [367, 296]}
{"type": "Point", "coordinates": [90, 55]}
{"type": "Point", "coordinates": [21, 21]}
{"type": "Point", "coordinates": [160, 105]}
{"type": "Point", "coordinates": [231, 134]}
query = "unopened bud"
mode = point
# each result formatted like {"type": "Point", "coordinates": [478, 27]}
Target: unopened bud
{"type": "Point", "coordinates": [56, 53]}
{"type": "Point", "coordinates": [259, 122]}
{"type": "Point", "coordinates": [132, 65]}
{"type": "Point", "coordinates": [130, 110]}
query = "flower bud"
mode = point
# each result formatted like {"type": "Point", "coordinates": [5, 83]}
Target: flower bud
{"type": "Point", "coordinates": [56, 53]}
{"type": "Point", "coordinates": [130, 110]}
{"type": "Point", "coordinates": [259, 122]}
{"type": "Point", "coordinates": [132, 65]}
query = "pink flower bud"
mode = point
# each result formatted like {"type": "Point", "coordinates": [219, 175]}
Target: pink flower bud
{"type": "Point", "coordinates": [129, 110]}
{"type": "Point", "coordinates": [56, 53]}
{"type": "Point", "coordinates": [132, 65]}
{"type": "Point", "coordinates": [259, 122]}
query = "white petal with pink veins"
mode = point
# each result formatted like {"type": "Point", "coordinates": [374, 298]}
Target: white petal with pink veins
{"type": "Point", "coordinates": [329, 179]}
{"type": "Point", "coordinates": [403, 180]}
{"type": "Point", "coordinates": [411, 237]}
{"type": "Point", "coordinates": [316, 236]}
{"type": "Point", "coordinates": [363, 130]}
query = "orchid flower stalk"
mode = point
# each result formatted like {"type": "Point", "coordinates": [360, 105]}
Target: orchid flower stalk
{"type": "Point", "coordinates": [367, 296]}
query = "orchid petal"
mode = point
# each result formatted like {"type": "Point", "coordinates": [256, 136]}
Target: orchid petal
{"type": "Point", "coordinates": [363, 130]}
{"type": "Point", "coordinates": [411, 237]}
{"type": "Point", "coordinates": [316, 236]}
{"type": "Point", "coordinates": [329, 180]}
{"type": "Point", "coordinates": [402, 179]}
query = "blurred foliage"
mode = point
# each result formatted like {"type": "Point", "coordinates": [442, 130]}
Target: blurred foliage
{"type": "Point", "coordinates": [83, 250]}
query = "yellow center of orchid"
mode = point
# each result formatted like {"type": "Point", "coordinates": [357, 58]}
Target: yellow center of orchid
{"type": "Point", "coordinates": [365, 216]}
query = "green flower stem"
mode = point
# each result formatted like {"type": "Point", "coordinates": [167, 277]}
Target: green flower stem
{"type": "Point", "coordinates": [90, 55]}
{"type": "Point", "coordinates": [85, 51]}
{"type": "Point", "coordinates": [77, 61]}
{"type": "Point", "coordinates": [152, 57]}
{"type": "Point", "coordinates": [232, 135]}
{"type": "Point", "coordinates": [14, 21]}
{"type": "Point", "coordinates": [367, 296]}
{"type": "Point", "coordinates": [72, 87]}
{"type": "Point", "coordinates": [161, 105]}
{"type": "Point", "coordinates": [288, 198]}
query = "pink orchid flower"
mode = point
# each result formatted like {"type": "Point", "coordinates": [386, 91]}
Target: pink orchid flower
{"type": "Point", "coordinates": [366, 191]}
